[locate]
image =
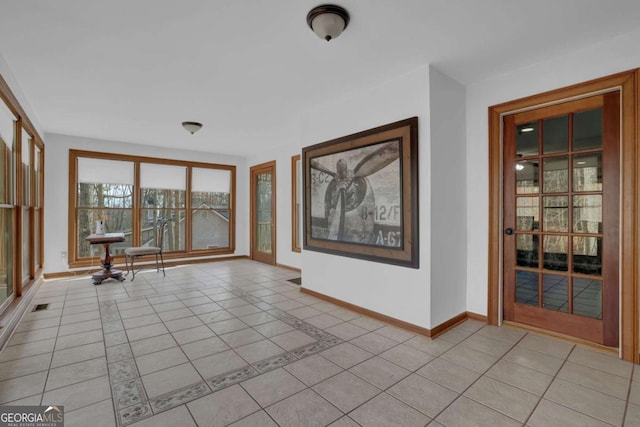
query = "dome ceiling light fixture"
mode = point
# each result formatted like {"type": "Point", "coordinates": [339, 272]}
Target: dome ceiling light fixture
{"type": "Point", "coordinates": [192, 127]}
{"type": "Point", "coordinates": [328, 21]}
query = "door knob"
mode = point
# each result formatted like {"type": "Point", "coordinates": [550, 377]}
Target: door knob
{"type": "Point", "coordinates": [508, 231]}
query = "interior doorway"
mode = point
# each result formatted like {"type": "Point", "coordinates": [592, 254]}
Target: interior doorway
{"type": "Point", "coordinates": [563, 212]}
{"type": "Point", "coordinates": [561, 218]}
{"type": "Point", "coordinates": [263, 212]}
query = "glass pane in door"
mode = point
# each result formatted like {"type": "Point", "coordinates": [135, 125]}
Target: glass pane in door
{"type": "Point", "coordinates": [527, 140]}
{"type": "Point", "coordinates": [527, 179]}
{"type": "Point", "coordinates": [527, 250]}
{"type": "Point", "coordinates": [587, 255]}
{"type": "Point", "coordinates": [555, 175]}
{"type": "Point", "coordinates": [587, 297]}
{"type": "Point", "coordinates": [587, 172]}
{"type": "Point", "coordinates": [587, 214]}
{"type": "Point", "coordinates": [555, 252]}
{"type": "Point", "coordinates": [527, 213]}
{"type": "Point", "coordinates": [555, 295]}
{"type": "Point", "coordinates": [555, 135]}
{"type": "Point", "coordinates": [556, 213]}
{"type": "Point", "coordinates": [527, 287]}
{"type": "Point", "coordinates": [587, 129]}
{"type": "Point", "coordinates": [264, 213]}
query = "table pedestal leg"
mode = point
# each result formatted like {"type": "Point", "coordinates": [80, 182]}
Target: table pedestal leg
{"type": "Point", "coordinates": [107, 272]}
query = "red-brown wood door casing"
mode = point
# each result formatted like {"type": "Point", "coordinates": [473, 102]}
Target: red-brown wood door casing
{"type": "Point", "coordinates": [561, 208]}
{"type": "Point", "coordinates": [263, 212]}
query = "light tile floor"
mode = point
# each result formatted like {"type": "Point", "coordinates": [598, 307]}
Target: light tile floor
{"type": "Point", "coordinates": [235, 343]}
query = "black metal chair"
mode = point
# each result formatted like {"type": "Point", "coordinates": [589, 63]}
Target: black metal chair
{"type": "Point", "coordinates": [130, 254]}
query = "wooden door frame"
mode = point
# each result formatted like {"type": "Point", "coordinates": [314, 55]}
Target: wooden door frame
{"type": "Point", "coordinates": [295, 212]}
{"type": "Point", "coordinates": [627, 83]}
{"type": "Point", "coordinates": [253, 170]}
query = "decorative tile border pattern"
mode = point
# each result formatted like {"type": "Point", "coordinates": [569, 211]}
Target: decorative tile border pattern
{"type": "Point", "coordinates": [232, 377]}
{"type": "Point", "coordinates": [122, 371]}
{"type": "Point", "coordinates": [249, 298]}
{"type": "Point", "coordinates": [263, 306]}
{"type": "Point", "coordinates": [274, 362]}
{"type": "Point", "coordinates": [134, 414]}
{"type": "Point", "coordinates": [305, 327]}
{"type": "Point", "coordinates": [178, 397]}
{"type": "Point", "coordinates": [128, 391]}
{"type": "Point", "coordinates": [119, 352]}
{"type": "Point", "coordinates": [310, 349]}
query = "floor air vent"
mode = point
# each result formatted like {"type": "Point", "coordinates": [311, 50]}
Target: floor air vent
{"type": "Point", "coordinates": [40, 307]}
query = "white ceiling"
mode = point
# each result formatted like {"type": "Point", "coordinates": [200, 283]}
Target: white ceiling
{"type": "Point", "coordinates": [133, 70]}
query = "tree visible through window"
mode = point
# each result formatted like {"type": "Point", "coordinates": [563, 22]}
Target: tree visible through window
{"type": "Point", "coordinates": [110, 203]}
{"type": "Point", "coordinates": [210, 201]}
{"type": "Point", "coordinates": [109, 190]}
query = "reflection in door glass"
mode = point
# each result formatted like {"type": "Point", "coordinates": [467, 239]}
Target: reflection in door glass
{"type": "Point", "coordinates": [527, 213]}
{"type": "Point", "coordinates": [556, 175]}
{"type": "Point", "coordinates": [587, 172]}
{"type": "Point", "coordinates": [527, 287]}
{"type": "Point", "coordinates": [527, 140]}
{"type": "Point", "coordinates": [587, 255]}
{"type": "Point", "coordinates": [587, 129]}
{"type": "Point", "coordinates": [554, 295]}
{"type": "Point", "coordinates": [264, 219]}
{"type": "Point", "coordinates": [587, 214]}
{"type": "Point", "coordinates": [555, 135]}
{"type": "Point", "coordinates": [527, 178]}
{"type": "Point", "coordinates": [527, 250]}
{"type": "Point", "coordinates": [555, 252]}
{"type": "Point", "coordinates": [587, 297]}
{"type": "Point", "coordinates": [556, 213]}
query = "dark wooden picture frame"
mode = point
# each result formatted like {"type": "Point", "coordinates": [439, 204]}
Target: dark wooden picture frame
{"type": "Point", "coordinates": [361, 195]}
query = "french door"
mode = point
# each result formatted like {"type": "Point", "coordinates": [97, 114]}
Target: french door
{"type": "Point", "coordinates": [263, 212]}
{"type": "Point", "coordinates": [561, 177]}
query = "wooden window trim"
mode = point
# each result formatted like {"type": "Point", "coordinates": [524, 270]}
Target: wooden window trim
{"type": "Point", "coordinates": [17, 202]}
{"type": "Point", "coordinates": [74, 155]}
{"type": "Point", "coordinates": [23, 122]}
{"type": "Point", "coordinates": [627, 83]}
{"type": "Point", "coordinates": [295, 247]}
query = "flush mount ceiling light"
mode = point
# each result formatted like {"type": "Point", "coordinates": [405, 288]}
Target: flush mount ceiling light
{"type": "Point", "coordinates": [328, 21]}
{"type": "Point", "coordinates": [192, 127]}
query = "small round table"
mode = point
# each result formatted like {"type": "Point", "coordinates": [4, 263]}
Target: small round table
{"type": "Point", "coordinates": [106, 272]}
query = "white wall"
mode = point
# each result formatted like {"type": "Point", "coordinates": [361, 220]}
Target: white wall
{"type": "Point", "coordinates": [598, 60]}
{"type": "Point", "coordinates": [8, 76]}
{"type": "Point", "coordinates": [399, 292]}
{"type": "Point", "coordinates": [448, 198]}
{"type": "Point", "coordinates": [56, 196]}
